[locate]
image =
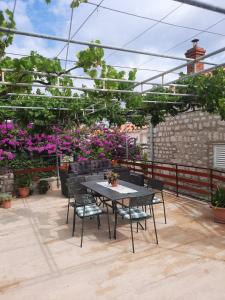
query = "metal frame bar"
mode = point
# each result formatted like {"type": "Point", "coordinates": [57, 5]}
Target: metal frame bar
{"type": "Point", "coordinates": [92, 89]}
{"type": "Point", "coordinates": [182, 66]}
{"type": "Point", "coordinates": [196, 74]}
{"type": "Point", "coordinates": [203, 5]}
{"type": "Point", "coordinates": [84, 77]}
{"type": "Point", "coordinates": [115, 66]}
{"type": "Point", "coordinates": [44, 96]}
{"type": "Point", "coordinates": [33, 107]}
{"type": "Point", "coordinates": [59, 39]}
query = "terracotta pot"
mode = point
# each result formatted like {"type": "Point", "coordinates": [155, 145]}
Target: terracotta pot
{"type": "Point", "coordinates": [24, 192]}
{"type": "Point", "coordinates": [114, 162]}
{"type": "Point", "coordinates": [219, 214]}
{"type": "Point", "coordinates": [6, 204]}
{"type": "Point", "coordinates": [114, 183]}
{"type": "Point", "coordinates": [64, 166]}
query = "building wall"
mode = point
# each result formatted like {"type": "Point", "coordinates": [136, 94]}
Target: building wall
{"type": "Point", "coordinates": [187, 138]}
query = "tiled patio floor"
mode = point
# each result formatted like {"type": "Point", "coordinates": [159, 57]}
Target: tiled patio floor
{"type": "Point", "coordinates": [40, 260]}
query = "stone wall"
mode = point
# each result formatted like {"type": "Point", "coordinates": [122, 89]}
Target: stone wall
{"type": "Point", "coordinates": [187, 138]}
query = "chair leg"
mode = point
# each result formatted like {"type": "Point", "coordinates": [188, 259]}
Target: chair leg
{"type": "Point", "coordinates": [68, 208]}
{"type": "Point", "coordinates": [115, 223]}
{"type": "Point", "coordinates": [98, 220]}
{"type": "Point", "coordinates": [82, 232]}
{"type": "Point", "coordinates": [145, 220]}
{"type": "Point", "coordinates": [74, 220]}
{"type": "Point", "coordinates": [108, 221]}
{"type": "Point", "coordinates": [153, 216]}
{"type": "Point", "coordinates": [132, 237]}
{"type": "Point", "coordinates": [137, 227]}
{"type": "Point", "coordinates": [164, 208]}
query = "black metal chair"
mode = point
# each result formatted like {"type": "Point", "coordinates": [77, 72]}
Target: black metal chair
{"type": "Point", "coordinates": [84, 207]}
{"type": "Point", "coordinates": [96, 178]}
{"type": "Point", "coordinates": [74, 187]}
{"type": "Point", "coordinates": [134, 214]}
{"type": "Point", "coordinates": [157, 186]}
{"type": "Point", "coordinates": [84, 204]}
{"type": "Point", "coordinates": [99, 178]}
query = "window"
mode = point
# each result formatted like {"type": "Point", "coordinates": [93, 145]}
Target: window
{"type": "Point", "coordinates": [219, 156]}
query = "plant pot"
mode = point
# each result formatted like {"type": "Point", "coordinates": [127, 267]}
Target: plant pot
{"type": "Point", "coordinates": [219, 214]}
{"type": "Point", "coordinates": [64, 166]}
{"type": "Point", "coordinates": [6, 204]}
{"type": "Point", "coordinates": [24, 192]}
{"type": "Point", "coordinates": [114, 162]}
{"type": "Point", "coordinates": [114, 183]}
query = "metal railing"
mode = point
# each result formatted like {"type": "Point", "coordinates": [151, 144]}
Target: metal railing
{"type": "Point", "coordinates": [192, 181]}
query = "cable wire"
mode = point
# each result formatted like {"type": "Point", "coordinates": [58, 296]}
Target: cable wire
{"type": "Point", "coordinates": [14, 8]}
{"type": "Point", "coordinates": [69, 34]}
{"type": "Point", "coordinates": [147, 29]}
{"type": "Point", "coordinates": [153, 19]}
{"type": "Point", "coordinates": [186, 40]}
{"type": "Point", "coordinates": [81, 26]}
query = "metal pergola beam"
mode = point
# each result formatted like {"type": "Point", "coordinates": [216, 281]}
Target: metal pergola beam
{"type": "Point", "coordinates": [195, 74]}
{"type": "Point", "coordinates": [91, 89]}
{"type": "Point", "coordinates": [182, 66]}
{"type": "Point", "coordinates": [203, 5]}
{"type": "Point", "coordinates": [43, 96]}
{"type": "Point", "coordinates": [33, 107]}
{"type": "Point", "coordinates": [59, 39]}
{"type": "Point", "coordinates": [81, 77]}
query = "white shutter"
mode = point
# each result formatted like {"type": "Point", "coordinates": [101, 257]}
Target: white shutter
{"type": "Point", "coordinates": [219, 156]}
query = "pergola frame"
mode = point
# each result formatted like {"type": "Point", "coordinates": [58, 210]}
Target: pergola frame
{"type": "Point", "coordinates": [148, 81]}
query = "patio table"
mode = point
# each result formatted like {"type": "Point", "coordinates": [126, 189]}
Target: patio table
{"type": "Point", "coordinates": [117, 193]}
{"type": "Point", "coordinates": [124, 190]}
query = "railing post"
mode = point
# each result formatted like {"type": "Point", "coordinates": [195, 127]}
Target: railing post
{"type": "Point", "coordinates": [152, 169]}
{"type": "Point", "coordinates": [211, 183]}
{"type": "Point", "coordinates": [177, 183]}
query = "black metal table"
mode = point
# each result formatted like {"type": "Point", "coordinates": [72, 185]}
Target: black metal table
{"type": "Point", "coordinates": [114, 195]}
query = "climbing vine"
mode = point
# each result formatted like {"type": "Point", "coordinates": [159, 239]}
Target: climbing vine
{"type": "Point", "coordinates": [92, 106]}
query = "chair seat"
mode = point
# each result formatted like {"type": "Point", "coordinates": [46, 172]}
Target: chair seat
{"type": "Point", "coordinates": [135, 213]}
{"type": "Point", "coordinates": [90, 210]}
{"type": "Point", "coordinates": [156, 200]}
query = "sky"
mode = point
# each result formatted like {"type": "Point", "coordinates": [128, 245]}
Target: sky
{"type": "Point", "coordinates": [117, 29]}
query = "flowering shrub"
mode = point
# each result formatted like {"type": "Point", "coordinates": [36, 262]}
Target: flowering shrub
{"type": "Point", "coordinates": [86, 143]}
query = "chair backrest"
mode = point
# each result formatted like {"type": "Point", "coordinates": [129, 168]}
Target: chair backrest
{"type": "Point", "coordinates": [75, 187]}
{"type": "Point", "coordinates": [94, 166]}
{"type": "Point", "coordinates": [156, 184]}
{"type": "Point", "coordinates": [98, 177]}
{"type": "Point", "coordinates": [141, 201]}
{"type": "Point", "coordinates": [137, 179]}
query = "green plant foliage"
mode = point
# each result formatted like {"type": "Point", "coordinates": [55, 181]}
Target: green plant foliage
{"type": "Point", "coordinates": [218, 199]}
{"type": "Point", "coordinates": [74, 3]}
{"type": "Point", "coordinates": [23, 180]}
{"type": "Point", "coordinates": [6, 20]}
{"type": "Point", "coordinates": [210, 91]}
{"type": "Point", "coordinates": [5, 197]}
{"type": "Point", "coordinates": [43, 186]}
{"type": "Point", "coordinates": [115, 107]}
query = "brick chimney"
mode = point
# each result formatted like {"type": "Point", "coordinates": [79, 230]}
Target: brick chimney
{"type": "Point", "coordinates": [193, 53]}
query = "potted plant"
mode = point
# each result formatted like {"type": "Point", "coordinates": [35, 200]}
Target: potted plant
{"type": "Point", "coordinates": [112, 178]}
{"type": "Point", "coordinates": [43, 186]}
{"type": "Point", "coordinates": [23, 183]}
{"type": "Point", "coordinates": [5, 200]}
{"type": "Point", "coordinates": [218, 205]}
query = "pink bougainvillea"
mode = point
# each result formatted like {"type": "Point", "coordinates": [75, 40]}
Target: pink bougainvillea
{"type": "Point", "coordinates": [92, 143]}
